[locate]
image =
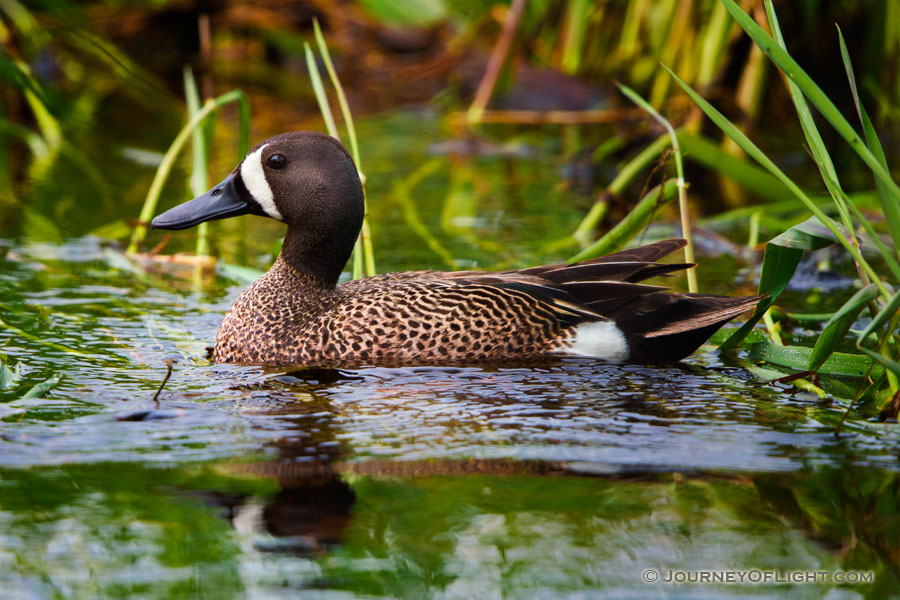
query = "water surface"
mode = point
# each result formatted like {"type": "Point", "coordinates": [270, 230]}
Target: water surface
{"type": "Point", "coordinates": [567, 478]}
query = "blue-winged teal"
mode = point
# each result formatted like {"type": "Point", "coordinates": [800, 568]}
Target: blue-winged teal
{"type": "Point", "coordinates": [297, 314]}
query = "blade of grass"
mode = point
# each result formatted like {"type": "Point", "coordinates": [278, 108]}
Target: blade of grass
{"type": "Point", "coordinates": [813, 92]}
{"type": "Point", "coordinates": [714, 39]}
{"type": "Point", "coordinates": [674, 43]}
{"type": "Point", "coordinates": [892, 263]}
{"type": "Point", "coordinates": [632, 224]}
{"type": "Point", "coordinates": [889, 204]}
{"type": "Point", "coordinates": [319, 89]}
{"type": "Point", "coordinates": [839, 324]}
{"type": "Point", "coordinates": [496, 61]}
{"type": "Point", "coordinates": [782, 255]}
{"type": "Point", "coordinates": [887, 313]}
{"type": "Point", "coordinates": [365, 240]}
{"type": "Point", "coordinates": [200, 170]}
{"type": "Point", "coordinates": [753, 235]}
{"type": "Point", "coordinates": [810, 131]}
{"type": "Point", "coordinates": [702, 151]}
{"type": "Point", "coordinates": [779, 264]}
{"type": "Point", "coordinates": [759, 156]}
{"type": "Point", "coordinates": [356, 269]}
{"type": "Point", "coordinates": [682, 192]}
{"type": "Point", "coordinates": [629, 43]}
{"type": "Point", "coordinates": [816, 145]}
{"type": "Point", "coordinates": [617, 186]}
{"type": "Point", "coordinates": [339, 90]}
{"type": "Point", "coordinates": [576, 22]}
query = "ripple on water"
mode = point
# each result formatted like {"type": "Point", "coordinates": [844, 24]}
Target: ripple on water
{"type": "Point", "coordinates": [108, 334]}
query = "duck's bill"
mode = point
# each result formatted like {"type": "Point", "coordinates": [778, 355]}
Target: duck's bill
{"type": "Point", "coordinates": [221, 202]}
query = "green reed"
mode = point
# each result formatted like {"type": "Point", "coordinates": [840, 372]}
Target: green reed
{"type": "Point", "coordinates": [363, 252]}
{"type": "Point", "coordinates": [878, 343]}
{"type": "Point", "coordinates": [148, 210]}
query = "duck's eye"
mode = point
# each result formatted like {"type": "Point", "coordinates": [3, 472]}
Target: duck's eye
{"type": "Point", "coordinates": [276, 161]}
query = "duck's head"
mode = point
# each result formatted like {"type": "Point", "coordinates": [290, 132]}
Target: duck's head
{"type": "Point", "coordinates": [304, 179]}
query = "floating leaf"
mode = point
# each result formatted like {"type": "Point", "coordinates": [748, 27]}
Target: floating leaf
{"type": "Point", "coordinates": [797, 357]}
{"type": "Point", "coordinates": [9, 378]}
{"type": "Point", "coordinates": [43, 387]}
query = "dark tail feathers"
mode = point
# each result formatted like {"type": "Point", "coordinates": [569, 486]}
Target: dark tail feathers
{"type": "Point", "coordinates": [667, 327]}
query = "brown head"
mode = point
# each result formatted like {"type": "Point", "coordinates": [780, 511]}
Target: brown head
{"type": "Point", "coordinates": [304, 179]}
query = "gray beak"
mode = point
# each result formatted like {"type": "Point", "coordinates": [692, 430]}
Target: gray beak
{"type": "Point", "coordinates": [221, 202]}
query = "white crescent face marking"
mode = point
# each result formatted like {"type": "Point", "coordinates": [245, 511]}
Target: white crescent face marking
{"type": "Point", "coordinates": [254, 177]}
{"type": "Point", "coordinates": [600, 339]}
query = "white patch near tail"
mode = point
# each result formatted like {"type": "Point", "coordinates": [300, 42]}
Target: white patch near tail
{"type": "Point", "coordinates": [600, 339]}
{"type": "Point", "coordinates": [254, 177]}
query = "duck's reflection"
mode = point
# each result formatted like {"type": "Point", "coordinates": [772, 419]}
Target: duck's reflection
{"type": "Point", "coordinates": [313, 506]}
{"type": "Point", "coordinates": [306, 518]}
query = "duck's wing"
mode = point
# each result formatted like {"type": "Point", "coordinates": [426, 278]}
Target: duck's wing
{"type": "Point", "coordinates": [592, 288]}
{"type": "Point", "coordinates": [659, 325]}
{"type": "Point", "coordinates": [632, 265]}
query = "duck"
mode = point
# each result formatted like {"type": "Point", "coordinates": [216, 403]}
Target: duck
{"type": "Point", "coordinates": [298, 314]}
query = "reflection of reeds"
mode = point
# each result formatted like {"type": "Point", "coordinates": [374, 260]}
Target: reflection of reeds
{"type": "Point", "coordinates": [636, 220]}
{"type": "Point", "coordinates": [593, 40]}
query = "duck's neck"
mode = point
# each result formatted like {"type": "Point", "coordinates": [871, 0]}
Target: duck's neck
{"type": "Point", "coordinates": [320, 258]}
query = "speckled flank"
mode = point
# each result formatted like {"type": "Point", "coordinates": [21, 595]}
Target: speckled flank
{"type": "Point", "coordinates": [594, 308]}
{"type": "Point", "coordinates": [286, 318]}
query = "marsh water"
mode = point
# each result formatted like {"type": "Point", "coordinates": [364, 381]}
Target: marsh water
{"type": "Point", "coordinates": [572, 478]}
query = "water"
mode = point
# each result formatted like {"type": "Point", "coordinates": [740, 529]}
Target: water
{"type": "Point", "coordinates": [566, 478]}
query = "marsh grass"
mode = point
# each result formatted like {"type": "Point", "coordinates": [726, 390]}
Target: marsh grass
{"type": "Point", "coordinates": [878, 342]}
{"type": "Point", "coordinates": [363, 252]}
{"type": "Point", "coordinates": [200, 128]}
{"type": "Point", "coordinates": [632, 224]}
{"type": "Point", "coordinates": [148, 210]}
{"type": "Point", "coordinates": [683, 209]}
